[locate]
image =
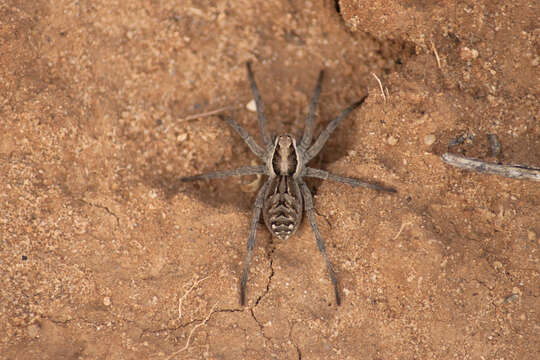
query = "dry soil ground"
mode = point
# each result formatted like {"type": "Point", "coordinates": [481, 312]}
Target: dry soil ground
{"type": "Point", "coordinates": [105, 255]}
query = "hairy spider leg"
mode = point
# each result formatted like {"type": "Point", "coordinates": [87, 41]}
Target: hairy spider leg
{"type": "Point", "coordinates": [259, 200]}
{"type": "Point", "coordinates": [308, 206]}
{"type": "Point", "coordinates": [325, 175]}
{"type": "Point", "coordinates": [248, 139]}
{"type": "Point", "coordinates": [310, 118]}
{"type": "Point", "coordinates": [323, 137]}
{"type": "Point", "coordinates": [245, 170]}
{"type": "Point", "coordinates": [260, 107]}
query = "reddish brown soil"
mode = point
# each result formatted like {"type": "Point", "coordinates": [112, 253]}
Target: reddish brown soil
{"type": "Point", "coordinates": [105, 255]}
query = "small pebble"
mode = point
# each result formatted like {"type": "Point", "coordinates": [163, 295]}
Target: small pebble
{"type": "Point", "coordinates": [251, 106]}
{"type": "Point", "coordinates": [494, 144]}
{"type": "Point", "coordinates": [429, 139]}
{"type": "Point", "coordinates": [106, 301]}
{"type": "Point", "coordinates": [33, 331]}
{"type": "Point", "coordinates": [511, 298]}
{"type": "Point", "coordinates": [468, 54]}
{"type": "Point", "coordinates": [465, 138]}
{"type": "Point", "coordinates": [391, 140]}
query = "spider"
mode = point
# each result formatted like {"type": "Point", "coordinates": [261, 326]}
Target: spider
{"type": "Point", "coordinates": [284, 195]}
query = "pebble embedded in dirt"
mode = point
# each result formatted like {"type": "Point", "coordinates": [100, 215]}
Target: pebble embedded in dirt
{"type": "Point", "coordinates": [181, 138]}
{"type": "Point", "coordinates": [33, 331]}
{"type": "Point", "coordinates": [531, 235]}
{"type": "Point", "coordinates": [468, 54]}
{"type": "Point", "coordinates": [251, 106]}
{"type": "Point", "coordinates": [429, 139]}
{"type": "Point", "coordinates": [391, 140]}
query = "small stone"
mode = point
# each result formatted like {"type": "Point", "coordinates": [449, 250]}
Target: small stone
{"type": "Point", "coordinates": [251, 106]}
{"type": "Point", "coordinates": [444, 262]}
{"type": "Point", "coordinates": [531, 235]}
{"type": "Point", "coordinates": [511, 298]}
{"type": "Point", "coordinates": [495, 144]}
{"type": "Point", "coordinates": [181, 137]}
{"type": "Point", "coordinates": [492, 100]}
{"type": "Point", "coordinates": [107, 301]}
{"type": "Point", "coordinates": [33, 331]}
{"type": "Point", "coordinates": [429, 139]}
{"type": "Point", "coordinates": [391, 140]}
{"type": "Point", "coordinates": [468, 54]}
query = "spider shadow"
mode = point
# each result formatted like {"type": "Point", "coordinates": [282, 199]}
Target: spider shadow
{"type": "Point", "coordinates": [337, 147]}
{"type": "Point", "coordinates": [217, 193]}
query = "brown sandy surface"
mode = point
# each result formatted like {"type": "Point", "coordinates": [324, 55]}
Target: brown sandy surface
{"type": "Point", "coordinates": [105, 255]}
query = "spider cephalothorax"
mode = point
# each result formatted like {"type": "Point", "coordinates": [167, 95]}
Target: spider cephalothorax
{"type": "Point", "coordinates": [285, 195]}
{"type": "Point", "coordinates": [285, 160]}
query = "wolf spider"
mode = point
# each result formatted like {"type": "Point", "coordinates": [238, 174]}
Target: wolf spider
{"type": "Point", "coordinates": [284, 193]}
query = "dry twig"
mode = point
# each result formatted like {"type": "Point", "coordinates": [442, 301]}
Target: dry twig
{"type": "Point", "coordinates": [208, 113]}
{"type": "Point", "coordinates": [436, 55]}
{"type": "Point", "coordinates": [195, 283]}
{"type": "Point", "coordinates": [401, 228]}
{"type": "Point", "coordinates": [380, 85]}
{"type": "Point", "coordinates": [191, 333]}
{"type": "Point", "coordinates": [510, 171]}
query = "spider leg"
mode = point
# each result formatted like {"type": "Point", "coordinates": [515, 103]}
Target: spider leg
{"type": "Point", "coordinates": [325, 134]}
{"type": "Point", "coordinates": [260, 106]}
{"type": "Point", "coordinates": [251, 240]}
{"type": "Point", "coordinates": [245, 170]}
{"type": "Point", "coordinates": [309, 123]}
{"type": "Point", "coordinates": [248, 139]}
{"type": "Point", "coordinates": [308, 205]}
{"type": "Point", "coordinates": [321, 174]}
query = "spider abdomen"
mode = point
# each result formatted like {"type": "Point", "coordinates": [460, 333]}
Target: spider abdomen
{"type": "Point", "coordinates": [282, 211]}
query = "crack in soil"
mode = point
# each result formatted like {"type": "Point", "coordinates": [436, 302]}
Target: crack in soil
{"type": "Point", "coordinates": [298, 352]}
{"type": "Point", "coordinates": [483, 284]}
{"type": "Point", "coordinates": [296, 347]}
{"type": "Point", "coordinates": [103, 208]}
{"type": "Point", "coordinates": [186, 324]}
{"type": "Point", "coordinates": [267, 290]}
{"type": "Point", "coordinates": [269, 277]}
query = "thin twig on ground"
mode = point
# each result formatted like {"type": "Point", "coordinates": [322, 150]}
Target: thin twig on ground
{"type": "Point", "coordinates": [510, 171]}
{"type": "Point", "coordinates": [208, 113]}
{"type": "Point", "coordinates": [436, 54]}
{"type": "Point", "coordinates": [191, 333]}
{"type": "Point", "coordinates": [180, 300]}
{"type": "Point", "coordinates": [401, 229]}
{"type": "Point", "coordinates": [380, 85]}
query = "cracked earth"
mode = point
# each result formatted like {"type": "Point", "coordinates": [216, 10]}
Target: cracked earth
{"type": "Point", "coordinates": [105, 255]}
